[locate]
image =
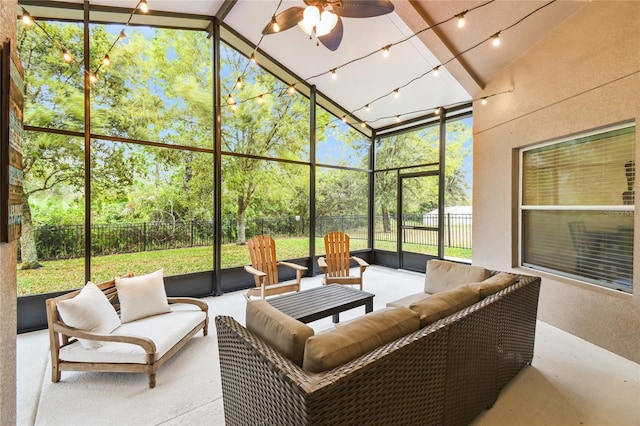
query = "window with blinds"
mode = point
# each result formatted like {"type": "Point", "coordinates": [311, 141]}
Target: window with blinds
{"type": "Point", "coordinates": [577, 207]}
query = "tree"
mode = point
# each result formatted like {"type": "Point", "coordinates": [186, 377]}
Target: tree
{"type": "Point", "coordinates": [274, 128]}
{"type": "Point", "coordinates": [54, 99]}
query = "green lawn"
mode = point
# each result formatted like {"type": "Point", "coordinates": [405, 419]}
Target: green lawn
{"type": "Point", "coordinates": [69, 273]}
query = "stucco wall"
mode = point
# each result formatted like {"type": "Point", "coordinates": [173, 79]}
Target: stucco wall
{"type": "Point", "coordinates": [8, 275]}
{"type": "Point", "coordinates": [582, 76]}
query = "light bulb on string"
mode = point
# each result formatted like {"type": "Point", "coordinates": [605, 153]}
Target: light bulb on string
{"type": "Point", "coordinates": [253, 59]}
{"type": "Point", "coordinates": [234, 106]}
{"type": "Point", "coordinates": [483, 101]}
{"type": "Point", "coordinates": [363, 124]}
{"type": "Point", "coordinates": [397, 118]}
{"type": "Point", "coordinates": [385, 51]}
{"type": "Point", "coordinates": [436, 71]}
{"type": "Point", "coordinates": [396, 93]}
{"type": "Point", "coordinates": [461, 20]}
{"type": "Point", "coordinates": [66, 56]}
{"type": "Point", "coordinates": [292, 89]}
{"type": "Point", "coordinates": [106, 61]}
{"type": "Point", "coordinates": [274, 25]}
{"type": "Point", "coordinates": [367, 108]}
{"type": "Point", "coordinates": [260, 100]}
{"type": "Point", "coordinates": [143, 6]}
{"type": "Point", "coordinates": [334, 74]}
{"type": "Point", "coordinates": [436, 111]}
{"type": "Point", "coordinates": [230, 100]}
{"type": "Point", "coordinates": [239, 83]}
{"type": "Point", "coordinates": [496, 39]}
{"type": "Point", "coordinates": [344, 118]}
{"type": "Point", "coordinates": [122, 34]}
{"type": "Point", "coordinates": [93, 78]}
{"type": "Point", "coordinates": [27, 19]}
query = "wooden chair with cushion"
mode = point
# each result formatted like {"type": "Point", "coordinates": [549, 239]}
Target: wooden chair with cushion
{"type": "Point", "coordinates": [264, 268]}
{"type": "Point", "coordinates": [337, 261]}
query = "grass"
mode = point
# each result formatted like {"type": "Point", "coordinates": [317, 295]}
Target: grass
{"type": "Point", "coordinates": [68, 274]}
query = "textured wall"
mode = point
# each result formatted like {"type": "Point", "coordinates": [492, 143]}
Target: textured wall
{"type": "Point", "coordinates": [584, 75]}
{"type": "Point", "coordinates": [8, 275]}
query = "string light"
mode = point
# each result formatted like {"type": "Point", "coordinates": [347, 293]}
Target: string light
{"type": "Point", "coordinates": [437, 111]}
{"type": "Point", "coordinates": [292, 89]}
{"type": "Point", "coordinates": [274, 25]}
{"type": "Point", "coordinates": [483, 101]}
{"type": "Point", "coordinates": [334, 74]}
{"type": "Point", "coordinates": [27, 19]}
{"type": "Point", "coordinates": [106, 61]}
{"type": "Point", "coordinates": [230, 100]}
{"type": "Point", "coordinates": [436, 71]}
{"type": "Point", "coordinates": [143, 6]}
{"type": "Point", "coordinates": [363, 124]}
{"type": "Point", "coordinates": [239, 83]}
{"type": "Point", "coordinates": [344, 118]}
{"type": "Point", "coordinates": [93, 78]}
{"type": "Point", "coordinates": [253, 59]}
{"type": "Point", "coordinates": [122, 34]}
{"type": "Point", "coordinates": [461, 20]}
{"type": "Point", "coordinates": [396, 93]}
{"type": "Point", "coordinates": [66, 56]}
{"type": "Point", "coordinates": [260, 100]}
{"type": "Point", "coordinates": [496, 39]}
{"type": "Point", "coordinates": [385, 51]}
{"type": "Point", "coordinates": [367, 108]}
{"type": "Point", "coordinates": [398, 118]}
{"type": "Point", "coordinates": [234, 106]}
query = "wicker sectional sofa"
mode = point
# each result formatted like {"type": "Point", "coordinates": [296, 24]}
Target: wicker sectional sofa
{"type": "Point", "coordinates": [444, 373]}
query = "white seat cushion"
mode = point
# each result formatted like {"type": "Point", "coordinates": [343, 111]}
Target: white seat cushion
{"type": "Point", "coordinates": [165, 330]}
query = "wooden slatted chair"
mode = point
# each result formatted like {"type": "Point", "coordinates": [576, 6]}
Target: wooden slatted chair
{"type": "Point", "coordinates": [264, 268]}
{"type": "Point", "coordinates": [336, 263]}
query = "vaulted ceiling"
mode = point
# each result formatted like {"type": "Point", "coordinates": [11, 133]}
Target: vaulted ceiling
{"type": "Point", "coordinates": [423, 34]}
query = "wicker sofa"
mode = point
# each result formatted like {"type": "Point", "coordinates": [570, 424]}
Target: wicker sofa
{"type": "Point", "coordinates": [445, 373]}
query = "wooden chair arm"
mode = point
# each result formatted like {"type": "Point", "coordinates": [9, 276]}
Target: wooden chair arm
{"type": "Point", "coordinates": [254, 271]}
{"type": "Point", "coordinates": [359, 261]}
{"type": "Point", "coordinates": [146, 344]}
{"type": "Point", "coordinates": [191, 300]}
{"type": "Point", "coordinates": [322, 263]}
{"type": "Point", "coordinates": [293, 265]}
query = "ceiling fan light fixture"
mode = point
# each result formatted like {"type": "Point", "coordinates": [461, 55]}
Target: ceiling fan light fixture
{"type": "Point", "coordinates": [328, 21]}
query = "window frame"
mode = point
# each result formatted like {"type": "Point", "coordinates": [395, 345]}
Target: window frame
{"type": "Point", "coordinates": [622, 209]}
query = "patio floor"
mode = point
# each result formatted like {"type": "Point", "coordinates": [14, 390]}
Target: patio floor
{"type": "Point", "coordinates": [570, 381]}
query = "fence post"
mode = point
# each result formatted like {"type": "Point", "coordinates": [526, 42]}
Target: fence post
{"type": "Point", "coordinates": [192, 233]}
{"type": "Point", "coordinates": [144, 236]}
{"type": "Point", "coordinates": [449, 229]}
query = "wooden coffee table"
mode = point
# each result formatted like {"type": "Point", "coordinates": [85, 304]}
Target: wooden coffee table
{"type": "Point", "coordinates": [320, 302]}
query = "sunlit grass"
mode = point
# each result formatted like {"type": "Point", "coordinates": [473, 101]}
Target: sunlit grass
{"type": "Point", "coordinates": [68, 274]}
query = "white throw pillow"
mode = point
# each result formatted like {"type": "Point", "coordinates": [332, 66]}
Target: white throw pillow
{"type": "Point", "coordinates": [142, 296]}
{"type": "Point", "coordinates": [89, 310]}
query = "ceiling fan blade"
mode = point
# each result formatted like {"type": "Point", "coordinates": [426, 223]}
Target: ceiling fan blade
{"type": "Point", "coordinates": [285, 20]}
{"type": "Point", "coordinates": [332, 40]}
{"type": "Point", "coordinates": [362, 8]}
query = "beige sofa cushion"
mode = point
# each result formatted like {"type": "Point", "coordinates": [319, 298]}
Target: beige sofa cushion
{"type": "Point", "coordinates": [281, 331]}
{"type": "Point", "coordinates": [328, 350]}
{"type": "Point", "coordinates": [443, 275]}
{"type": "Point", "coordinates": [408, 300]}
{"type": "Point", "coordinates": [494, 284]}
{"type": "Point", "coordinates": [443, 304]}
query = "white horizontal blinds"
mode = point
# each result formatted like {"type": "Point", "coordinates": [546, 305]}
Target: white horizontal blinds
{"type": "Point", "coordinates": [577, 208]}
{"type": "Point", "coordinates": [586, 171]}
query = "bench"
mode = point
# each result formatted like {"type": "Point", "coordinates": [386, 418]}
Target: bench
{"type": "Point", "coordinates": [135, 345]}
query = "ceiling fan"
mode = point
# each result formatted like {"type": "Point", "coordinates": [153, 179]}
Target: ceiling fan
{"type": "Point", "coordinates": [322, 18]}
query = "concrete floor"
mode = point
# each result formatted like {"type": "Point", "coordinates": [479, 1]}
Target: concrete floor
{"type": "Point", "coordinates": [570, 382]}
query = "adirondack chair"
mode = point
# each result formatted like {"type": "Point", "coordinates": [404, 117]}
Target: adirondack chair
{"type": "Point", "coordinates": [264, 268]}
{"type": "Point", "coordinates": [336, 263]}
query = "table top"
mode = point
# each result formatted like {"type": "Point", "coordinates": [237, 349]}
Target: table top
{"type": "Point", "coordinates": [319, 302]}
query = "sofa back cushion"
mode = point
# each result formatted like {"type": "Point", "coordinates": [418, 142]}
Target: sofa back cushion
{"type": "Point", "coordinates": [284, 333]}
{"type": "Point", "coordinates": [443, 304]}
{"type": "Point", "coordinates": [494, 284]}
{"type": "Point", "coordinates": [142, 296]}
{"type": "Point", "coordinates": [328, 350]}
{"type": "Point", "coordinates": [89, 310]}
{"type": "Point", "coordinates": [443, 275]}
